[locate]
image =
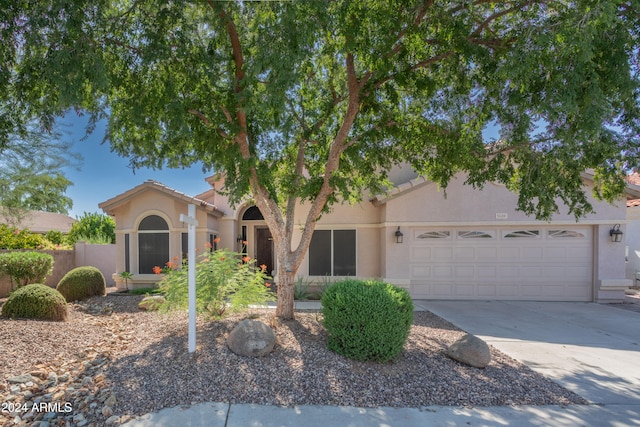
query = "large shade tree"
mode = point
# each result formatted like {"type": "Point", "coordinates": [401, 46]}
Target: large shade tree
{"type": "Point", "coordinates": [313, 101]}
{"type": "Point", "coordinates": [32, 163]}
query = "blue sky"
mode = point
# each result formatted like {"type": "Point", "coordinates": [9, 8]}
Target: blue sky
{"type": "Point", "coordinates": [103, 174]}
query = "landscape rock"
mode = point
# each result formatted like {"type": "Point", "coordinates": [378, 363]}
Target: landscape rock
{"type": "Point", "coordinates": [112, 420]}
{"type": "Point", "coordinates": [251, 338]}
{"type": "Point", "coordinates": [151, 303]}
{"type": "Point", "coordinates": [21, 379]}
{"type": "Point", "coordinates": [470, 350]}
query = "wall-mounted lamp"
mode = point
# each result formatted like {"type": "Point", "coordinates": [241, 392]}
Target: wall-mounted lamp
{"type": "Point", "coordinates": [399, 236]}
{"type": "Point", "coordinates": [616, 234]}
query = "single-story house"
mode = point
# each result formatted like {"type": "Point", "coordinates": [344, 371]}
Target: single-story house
{"type": "Point", "coordinates": [471, 244]}
{"type": "Point", "coordinates": [41, 222]}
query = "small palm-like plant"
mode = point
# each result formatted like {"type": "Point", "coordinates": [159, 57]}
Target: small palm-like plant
{"type": "Point", "coordinates": [126, 276]}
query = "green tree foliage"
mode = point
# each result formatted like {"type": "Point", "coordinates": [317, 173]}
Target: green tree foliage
{"type": "Point", "coordinates": [32, 159]}
{"type": "Point", "coordinates": [26, 267]}
{"type": "Point", "coordinates": [315, 101]}
{"type": "Point", "coordinates": [36, 301]}
{"type": "Point", "coordinates": [225, 281]}
{"type": "Point", "coordinates": [367, 320]}
{"type": "Point", "coordinates": [93, 227]}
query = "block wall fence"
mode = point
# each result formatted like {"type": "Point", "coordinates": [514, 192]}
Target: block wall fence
{"type": "Point", "coordinates": [100, 256]}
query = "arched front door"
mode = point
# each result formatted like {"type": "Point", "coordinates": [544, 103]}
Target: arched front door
{"type": "Point", "coordinates": [259, 240]}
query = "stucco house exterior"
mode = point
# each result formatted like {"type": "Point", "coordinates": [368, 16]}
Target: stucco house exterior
{"type": "Point", "coordinates": [471, 244]}
{"type": "Point", "coordinates": [632, 242]}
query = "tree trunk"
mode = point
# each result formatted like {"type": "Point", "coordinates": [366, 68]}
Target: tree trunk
{"type": "Point", "coordinates": [286, 284]}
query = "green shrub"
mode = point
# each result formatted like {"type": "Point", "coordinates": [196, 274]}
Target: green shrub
{"type": "Point", "coordinates": [13, 238]}
{"type": "Point", "coordinates": [226, 281]}
{"type": "Point", "coordinates": [26, 267]}
{"type": "Point", "coordinates": [92, 226]}
{"type": "Point", "coordinates": [55, 237]}
{"type": "Point", "coordinates": [36, 301]}
{"type": "Point", "coordinates": [81, 283]}
{"type": "Point", "coordinates": [366, 320]}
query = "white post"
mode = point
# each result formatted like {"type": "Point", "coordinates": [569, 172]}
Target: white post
{"type": "Point", "coordinates": [190, 219]}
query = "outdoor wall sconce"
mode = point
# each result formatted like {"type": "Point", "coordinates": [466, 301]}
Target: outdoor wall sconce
{"type": "Point", "coordinates": [616, 234]}
{"type": "Point", "coordinates": [399, 236]}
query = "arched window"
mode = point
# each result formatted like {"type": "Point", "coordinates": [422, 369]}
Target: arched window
{"type": "Point", "coordinates": [252, 214]}
{"type": "Point", "coordinates": [153, 243]}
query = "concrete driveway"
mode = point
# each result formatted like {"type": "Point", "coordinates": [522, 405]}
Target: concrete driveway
{"type": "Point", "coordinates": [590, 349]}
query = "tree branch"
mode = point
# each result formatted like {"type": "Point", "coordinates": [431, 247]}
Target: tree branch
{"type": "Point", "coordinates": [238, 59]}
{"type": "Point", "coordinates": [207, 122]}
{"type": "Point", "coordinates": [497, 15]}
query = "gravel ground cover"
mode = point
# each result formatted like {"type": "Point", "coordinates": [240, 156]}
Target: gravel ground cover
{"type": "Point", "coordinates": [110, 362]}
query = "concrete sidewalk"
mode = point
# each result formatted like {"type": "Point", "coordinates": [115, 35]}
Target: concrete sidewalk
{"type": "Point", "coordinates": [591, 349]}
{"type": "Point", "coordinates": [242, 415]}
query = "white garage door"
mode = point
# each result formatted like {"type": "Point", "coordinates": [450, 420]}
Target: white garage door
{"type": "Point", "coordinates": [527, 263]}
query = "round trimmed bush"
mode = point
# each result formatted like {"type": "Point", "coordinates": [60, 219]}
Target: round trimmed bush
{"type": "Point", "coordinates": [367, 320]}
{"type": "Point", "coordinates": [26, 267]}
{"type": "Point", "coordinates": [81, 283]}
{"type": "Point", "coordinates": [36, 301]}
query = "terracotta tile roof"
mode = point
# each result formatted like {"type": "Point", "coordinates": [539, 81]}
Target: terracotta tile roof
{"type": "Point", "coordinates": [634, 178]}
{"type": "Point", "coordinates": [151, 184]}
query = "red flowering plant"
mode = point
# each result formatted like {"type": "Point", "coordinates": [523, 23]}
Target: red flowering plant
{"type": "Point", "coordinates": [223, 284]}
{"type": "Point", "coordinates": [174, 264]}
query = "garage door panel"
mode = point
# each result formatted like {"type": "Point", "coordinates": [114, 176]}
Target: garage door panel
{"type": "Point", "coordinates": [532, 254]}
{"type": "Point", "coordinates": [465, 291]}
{"type": "Point", "coordinates": [508, 271]}
{"type": "Point", "coordinates": [554, 291]}
{"type": "Point", "coordinates": [488, 254]}
{"type": "Point", "coordinates": [509, 253]}
{"type": "Point", "coordinates": [484, 272]}
{"type": "Point", "coordinates": [420, 271]}
{"type": "Point", "coordinates": [578, 272]}
{"type": "Point", "coordinates": [556, 253]}
{"type": "Point", "coordinates": [486, 291]}
{"type": "Point", "coordinates": [554, 271]}
{"type": "Point", "coordinates": [419, 254]}
{"type": "Point", "coordinates": [442, 290]}
{"type": "Point", "coordinates": [530, 263]}
{"type": "Point", "coordinates": [442, 272]}
{"type": "Point", "coordinates": [464, 254]}
{"type": "Point", "coordinates": [578, 254]}
{"type": "Point", "coordinates": [577, 293]}
{"type": "Point", "coordinates": [464, 272]}
{"type": "Point", "coordinates": [531, 272]}
{"type": "Point", "coordinates": [531, 290]}
{"type": "Point", "coordinates": [507, 291]}
{"type": "Point", "coordinates": [442, 254]}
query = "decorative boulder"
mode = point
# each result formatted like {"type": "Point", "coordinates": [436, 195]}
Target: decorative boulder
{"type": "Point", "coordinates": [251, 338]}
{"type": "Point", "coordinates": [470, 350]}
{"type": "Point", "coordinates": [151, 303]}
